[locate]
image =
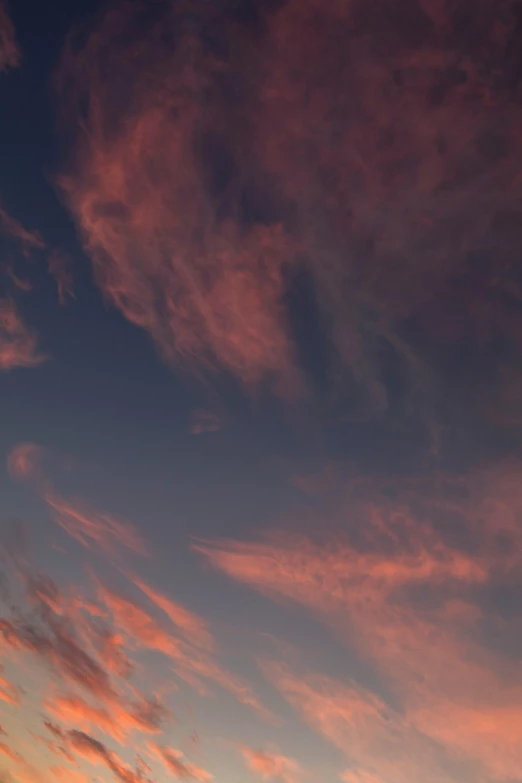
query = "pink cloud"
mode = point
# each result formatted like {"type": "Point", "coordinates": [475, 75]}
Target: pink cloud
{"type": "Point", "coordinates": [405, 595]}
{"type": "Point", "coordinates": [190, 663]}
{"type": "Point", "coordinates": [208, 290]}
{"type": "Point", "coordinates": [94, 529]}
{"type": "Point", "coordinates": [18, 345]}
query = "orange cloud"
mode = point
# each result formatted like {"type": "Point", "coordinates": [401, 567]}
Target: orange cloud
{"type": "Point", "coordinates": [9, 752]}
{"type": "Point", "coordinates": [10, 54]}
{"type": "Point", "coordinates": [116, 719]}
{"type": "Point", "coordinates": [359, 776]}
{"type": "Point", "coordinates": [18, 345]}
{"type": "Point", "coordinates": [178, 767]}
{"type": "Point", "coordinates": [193, 627]}
{"type": "Point", "coordinates": [407, 593]}
{"type": "Point", "coordinates": [190, 663]}
{"type": "Point", "coordinates": [272, 766]}
{"type": "Point", "coordinates": [10, 693]}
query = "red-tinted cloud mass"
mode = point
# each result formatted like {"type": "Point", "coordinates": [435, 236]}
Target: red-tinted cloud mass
{"type": "Point", "coordinates": [370, 148]}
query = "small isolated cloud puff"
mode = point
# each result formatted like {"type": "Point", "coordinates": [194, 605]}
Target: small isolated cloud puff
{"type": "Point", "coordinates": [18, 344]}
{"type": "Point", "coordinates": [272, 766]}
{"type": "Point", "coordinates": [23, 461]}
{"type": "Point", "coordinates": [10, 54]}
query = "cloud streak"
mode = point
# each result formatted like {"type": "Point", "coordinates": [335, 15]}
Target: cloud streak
{"type": "Point", "coordinates": [178, 767]}
{"type": "Point", "coordinates": [408, 595]}
{"type": "Point", "coordinates": [92, 529]}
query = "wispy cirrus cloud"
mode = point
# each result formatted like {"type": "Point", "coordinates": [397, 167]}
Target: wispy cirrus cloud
{"type": "Point", "coordinates": [376, 176]}
{"type": "Point", "coordinates": [376, 738]}
{"type": "Point", "coordinates": [193, 627]}
{"type": "Point", "coordinates": [191, 663]}
{"type": "Point", "coordinates": [95, 530]}
{"type": "Point", "coordinates": [408, 594]}
{"type": "Point", "coordinates": [269, 765]}
{"type": "Point", "coordinates": [179, 767]}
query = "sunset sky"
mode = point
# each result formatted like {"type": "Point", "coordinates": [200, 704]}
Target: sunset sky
{"type": "Point", "coordinates": [261, 385]}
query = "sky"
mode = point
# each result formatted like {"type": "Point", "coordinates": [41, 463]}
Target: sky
{"type": "Point", "coordinates": [261, 386]}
